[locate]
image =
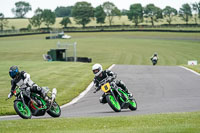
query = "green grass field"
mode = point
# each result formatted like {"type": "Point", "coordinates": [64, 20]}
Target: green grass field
{"type": "Point", "coordinates": [157, 123]}
{"type": "Point", "coordinates": [106, 48]}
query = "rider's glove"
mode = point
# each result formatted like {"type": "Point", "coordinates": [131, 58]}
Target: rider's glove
{"type": "Point", "coordinates": [10, 95]}
{"type": "Point", "coordinates": [110, 78]}
{"type": "Point", "coordinates": [96, 89]}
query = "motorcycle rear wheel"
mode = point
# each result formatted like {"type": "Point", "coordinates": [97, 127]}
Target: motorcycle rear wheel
{"type": "Point", "coordinates": [113, 103]}
{"type": "Point", "coordinates": [22, 110]}
{"type": "Point", "coordinates": [132, 104]}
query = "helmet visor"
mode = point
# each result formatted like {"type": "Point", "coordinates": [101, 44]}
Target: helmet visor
{"type": "Point", "coordinates": [12, 74]}
{"type": "Point", "coordinates": [95, 71]}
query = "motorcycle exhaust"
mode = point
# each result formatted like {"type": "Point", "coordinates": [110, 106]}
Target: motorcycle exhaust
{"type": "Point", "coordinates": [53, 96]}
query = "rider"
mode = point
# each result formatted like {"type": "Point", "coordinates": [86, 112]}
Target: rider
{"type": "Point", "coordinates": [154, 56]}
{"type": "Point", "coordinates": [100, 75]}
{"type": "Point", "coordinates": [22, 79]}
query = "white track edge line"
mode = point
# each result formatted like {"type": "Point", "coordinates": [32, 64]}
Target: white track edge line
{"type": "Point", "coordinates": [8, 116]}
{"type": "Point", "coordinates": [190, 70]}
{"type": "Point", "coordinates": [83, 93]}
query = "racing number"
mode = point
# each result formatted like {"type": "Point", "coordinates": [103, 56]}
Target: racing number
{"type": "Point", "coordinates": [106, 87]}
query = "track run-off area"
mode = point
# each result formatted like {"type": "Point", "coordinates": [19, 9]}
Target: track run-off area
{"type": "Point", "coordinates": [157, 89]}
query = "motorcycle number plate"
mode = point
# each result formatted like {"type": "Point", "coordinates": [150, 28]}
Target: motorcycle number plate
{"type": "Point", "coordinates": [106, 87]}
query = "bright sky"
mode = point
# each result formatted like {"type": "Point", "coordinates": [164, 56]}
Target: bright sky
{"type": "Point", "coordinates": [7, 5]}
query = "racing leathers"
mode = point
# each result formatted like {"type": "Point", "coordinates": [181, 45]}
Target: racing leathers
{"type": "Point", "coordinates": [24, 81]}
{"type": "Point", "coordinates": [154, 57]}
{"type": "Point", "coordinates": [112, 76]}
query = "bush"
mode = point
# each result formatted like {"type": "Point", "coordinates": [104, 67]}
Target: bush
{"type": "Point", "coordinates": [29, 27]}
{"type": "Point", "coordinates": [23, 29]}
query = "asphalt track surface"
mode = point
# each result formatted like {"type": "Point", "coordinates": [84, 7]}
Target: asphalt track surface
{"type": "Point", "coordinates": [157, 89]}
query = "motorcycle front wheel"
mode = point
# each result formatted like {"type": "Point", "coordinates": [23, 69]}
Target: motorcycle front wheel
{"type": "Point", "coordinates": [113, 103]}
{"type": "Point", "coordinates": [55, 110]}
{"type": "Point", "coordinates": [22, 110]}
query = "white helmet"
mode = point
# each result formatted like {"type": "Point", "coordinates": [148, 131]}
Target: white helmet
{"type": "Point", "coordinates": [97, 69]}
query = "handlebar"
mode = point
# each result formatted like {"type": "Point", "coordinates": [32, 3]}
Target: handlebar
{"type": "Point", "coordinates": [104, 81]}
{"type": "Point", "coordinates": [107, 79]}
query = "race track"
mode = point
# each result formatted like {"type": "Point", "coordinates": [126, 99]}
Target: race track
{"type": "Point", "coordinates": [157, 89]}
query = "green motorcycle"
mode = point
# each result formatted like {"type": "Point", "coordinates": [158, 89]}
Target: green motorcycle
{"type": "Point", "coordinates": [116, 97]}
{"type": "Point", "coordinates": [29, 104]}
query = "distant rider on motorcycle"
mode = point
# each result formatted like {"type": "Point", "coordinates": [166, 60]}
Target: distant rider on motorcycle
{"type": "Point", "coordinates": [23, 80]}
{"type": "Point", "coordinates": [154, 57]}
{"type": "Point", "coordinates": [101, 74]}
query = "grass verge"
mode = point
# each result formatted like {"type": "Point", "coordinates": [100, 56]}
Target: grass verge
{"type": "Point", "coordinates": [159, 123]}
{"type": "Point", "coordinates": [195, 68]}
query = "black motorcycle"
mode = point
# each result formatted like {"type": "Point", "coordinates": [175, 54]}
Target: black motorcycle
{"type": "Point", "coordinates": [116, 97]}
{"type": "Point", "coordinates": [27, 104]}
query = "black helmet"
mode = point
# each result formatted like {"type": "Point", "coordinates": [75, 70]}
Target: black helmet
{"type": "Point", "coordinates": [155, 54]}
{"type": "Point", "coordinates": [14, 71]}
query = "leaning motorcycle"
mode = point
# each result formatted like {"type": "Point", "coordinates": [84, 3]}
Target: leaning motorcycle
{"type": "Point", "coordinates": [116, 97]}
{"type": "Point", "coordinates": [29, 104]}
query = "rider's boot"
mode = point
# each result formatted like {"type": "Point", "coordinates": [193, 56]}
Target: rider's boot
{"type": "Point", "coordinates": [43, 94]}
{"type": "Point", "coordinates": [130, 95]}
{"type": "Point", "coordinates": [102, 99]}
{"type": "Point", "coordinates": [35, 88]}
{"type": "Point", "coordinates": [45, 97]}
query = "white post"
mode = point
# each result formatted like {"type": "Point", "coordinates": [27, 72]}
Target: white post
{"type": "Point", "coordinates": [58, 44]}
{"type": "Point", "coordinates": [51, 34]}
{"type": "Point", "coordinates": [75, 52]}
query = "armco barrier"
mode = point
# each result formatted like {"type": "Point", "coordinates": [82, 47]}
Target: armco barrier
{"type": "Point", "coordinates": [23, 34]}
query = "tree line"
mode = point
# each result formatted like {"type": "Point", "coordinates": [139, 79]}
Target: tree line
{"type": "Point", "coordinates": [83, 12]}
